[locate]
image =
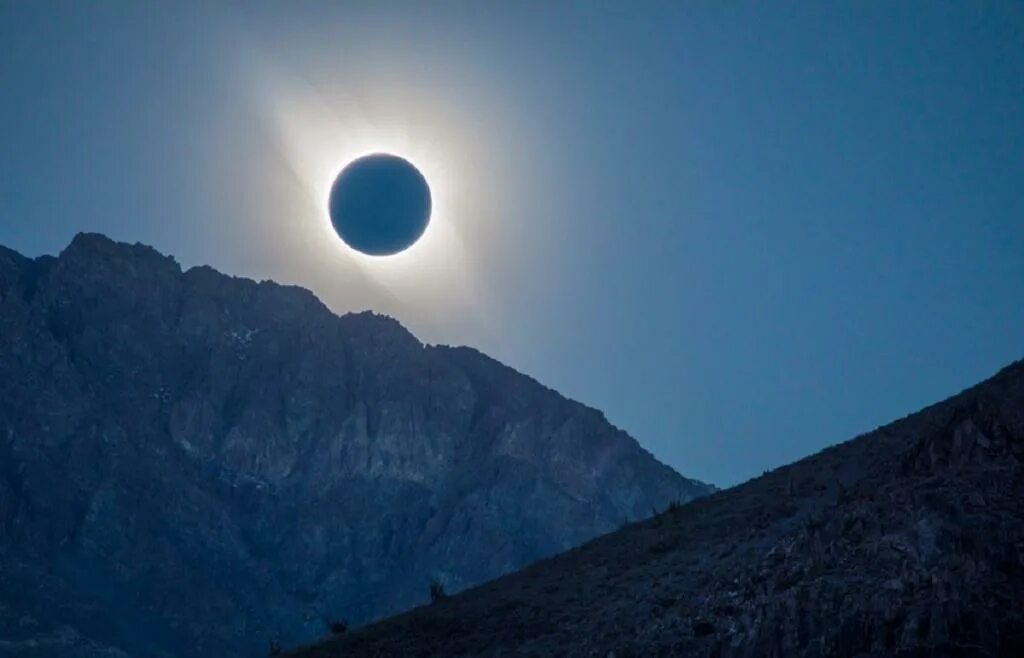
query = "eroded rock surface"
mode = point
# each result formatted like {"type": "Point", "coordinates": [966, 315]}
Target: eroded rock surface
{"type": "Point", "coordinates": [191, 464]}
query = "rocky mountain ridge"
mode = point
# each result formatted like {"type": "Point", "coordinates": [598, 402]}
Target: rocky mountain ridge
{"type": "Point", "coordinates": [191, 464]}
{"type": "Point", "coordinates": [906, 541]}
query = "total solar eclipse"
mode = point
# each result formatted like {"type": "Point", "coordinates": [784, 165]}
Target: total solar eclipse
{"type": "Point", "coordinates": [380, 204]}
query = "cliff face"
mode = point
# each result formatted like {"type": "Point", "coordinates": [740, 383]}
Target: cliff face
{"type": "Point", "coordinates": [908, 541]}
{"type": "Point", "coordinates": [191, 464]}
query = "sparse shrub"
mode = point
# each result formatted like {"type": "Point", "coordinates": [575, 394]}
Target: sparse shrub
{"type": "Point", "coordinates": [663, 545]}
{"type": "Point", "coordinates": [727, 610]}
{"type": "Point", "coordinates": [337, 626]}
{"type": "Point", "coordinates": [437, 592]}
{"type": "Point", "coordinates": [842, 494]}
{"type": "Point", "coordinates": [665, 602]}
{"type": "Point", "coordinates": [702, 627]}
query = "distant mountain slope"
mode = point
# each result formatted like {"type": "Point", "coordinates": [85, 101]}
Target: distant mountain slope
{"type": "Point", "coordinates": [908, 541]}
{"type": "Point", "coordinates": [191, 464]}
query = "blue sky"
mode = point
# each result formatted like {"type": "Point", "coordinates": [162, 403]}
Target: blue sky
{"type": "Point", "coordinates": [743, 231]}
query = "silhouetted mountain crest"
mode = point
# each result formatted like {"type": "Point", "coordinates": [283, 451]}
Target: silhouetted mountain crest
{"type": "Point", "coordinates": [191, 463]}
{"type": "Point", "coordinates": [907, 541]}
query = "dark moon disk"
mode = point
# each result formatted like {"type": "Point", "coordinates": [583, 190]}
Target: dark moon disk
{"type": "Point", "coordinates": [380, 204]}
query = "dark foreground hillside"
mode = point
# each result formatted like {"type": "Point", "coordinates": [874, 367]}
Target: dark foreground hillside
{"type": "Point", "coordinates": [192, 464]}
{"type": "Point", "coordinates": [907, 541]}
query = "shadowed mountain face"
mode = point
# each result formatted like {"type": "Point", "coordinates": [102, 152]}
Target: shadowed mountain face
{"type": "Point", "coordinates": [191, 464]}
{"type": "Point", "coordinates": [908, 541]}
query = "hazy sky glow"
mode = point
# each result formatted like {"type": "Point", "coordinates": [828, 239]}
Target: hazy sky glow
{"type": "Point", "coordinates": [743, 231]}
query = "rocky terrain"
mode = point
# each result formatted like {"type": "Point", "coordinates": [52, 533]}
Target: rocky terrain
{"type": "Point", "coordinates": [192, 464]}
{"type": "Point", "coordinates": [908, 541]}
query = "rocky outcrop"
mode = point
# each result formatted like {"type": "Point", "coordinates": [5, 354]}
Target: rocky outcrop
{"type": "Point", "coordinates": [192, 464]}
{"type": "Point", "coordinates": [908, 541]}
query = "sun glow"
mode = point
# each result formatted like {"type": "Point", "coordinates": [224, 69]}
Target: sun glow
{"type": "Point", "coordinates": [316, 129]}
{"type": "Point", "coordinates": [317, 141]}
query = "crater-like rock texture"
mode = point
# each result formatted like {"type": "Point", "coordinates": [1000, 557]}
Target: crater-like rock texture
{"type": "Point", "coordinates": [192, 464]}
{"type": "Point", "coordinates": [908, 541]}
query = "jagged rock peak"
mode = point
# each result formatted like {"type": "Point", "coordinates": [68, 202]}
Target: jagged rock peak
{"type": "Point", "coordinates": [212, 461]}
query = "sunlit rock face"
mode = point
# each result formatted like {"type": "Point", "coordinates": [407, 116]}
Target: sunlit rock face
{"type": "Point", "coordinates": [191, 464]}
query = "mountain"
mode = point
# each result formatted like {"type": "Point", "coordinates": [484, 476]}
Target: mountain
{"type": "Point", "coordinates": [908, 541]}
{"type": "Point", "coordinates": [192, 464]}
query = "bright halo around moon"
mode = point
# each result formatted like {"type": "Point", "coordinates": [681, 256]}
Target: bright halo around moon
{"type": "Point", "coordinates": [380, 204]}
{"type": "Point", "coordinates": [437, 241]}
{"type": "Point", "coordinates": [317, 134]}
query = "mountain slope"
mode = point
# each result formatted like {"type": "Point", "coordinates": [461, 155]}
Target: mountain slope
{"type": "Point", "coordinates": [191, 464]}
{"type": "Point", "coordinates": [906, 541]}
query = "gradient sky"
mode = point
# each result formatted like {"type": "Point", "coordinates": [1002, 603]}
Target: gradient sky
{"type": "Point", "coordinates": [744, 231]}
